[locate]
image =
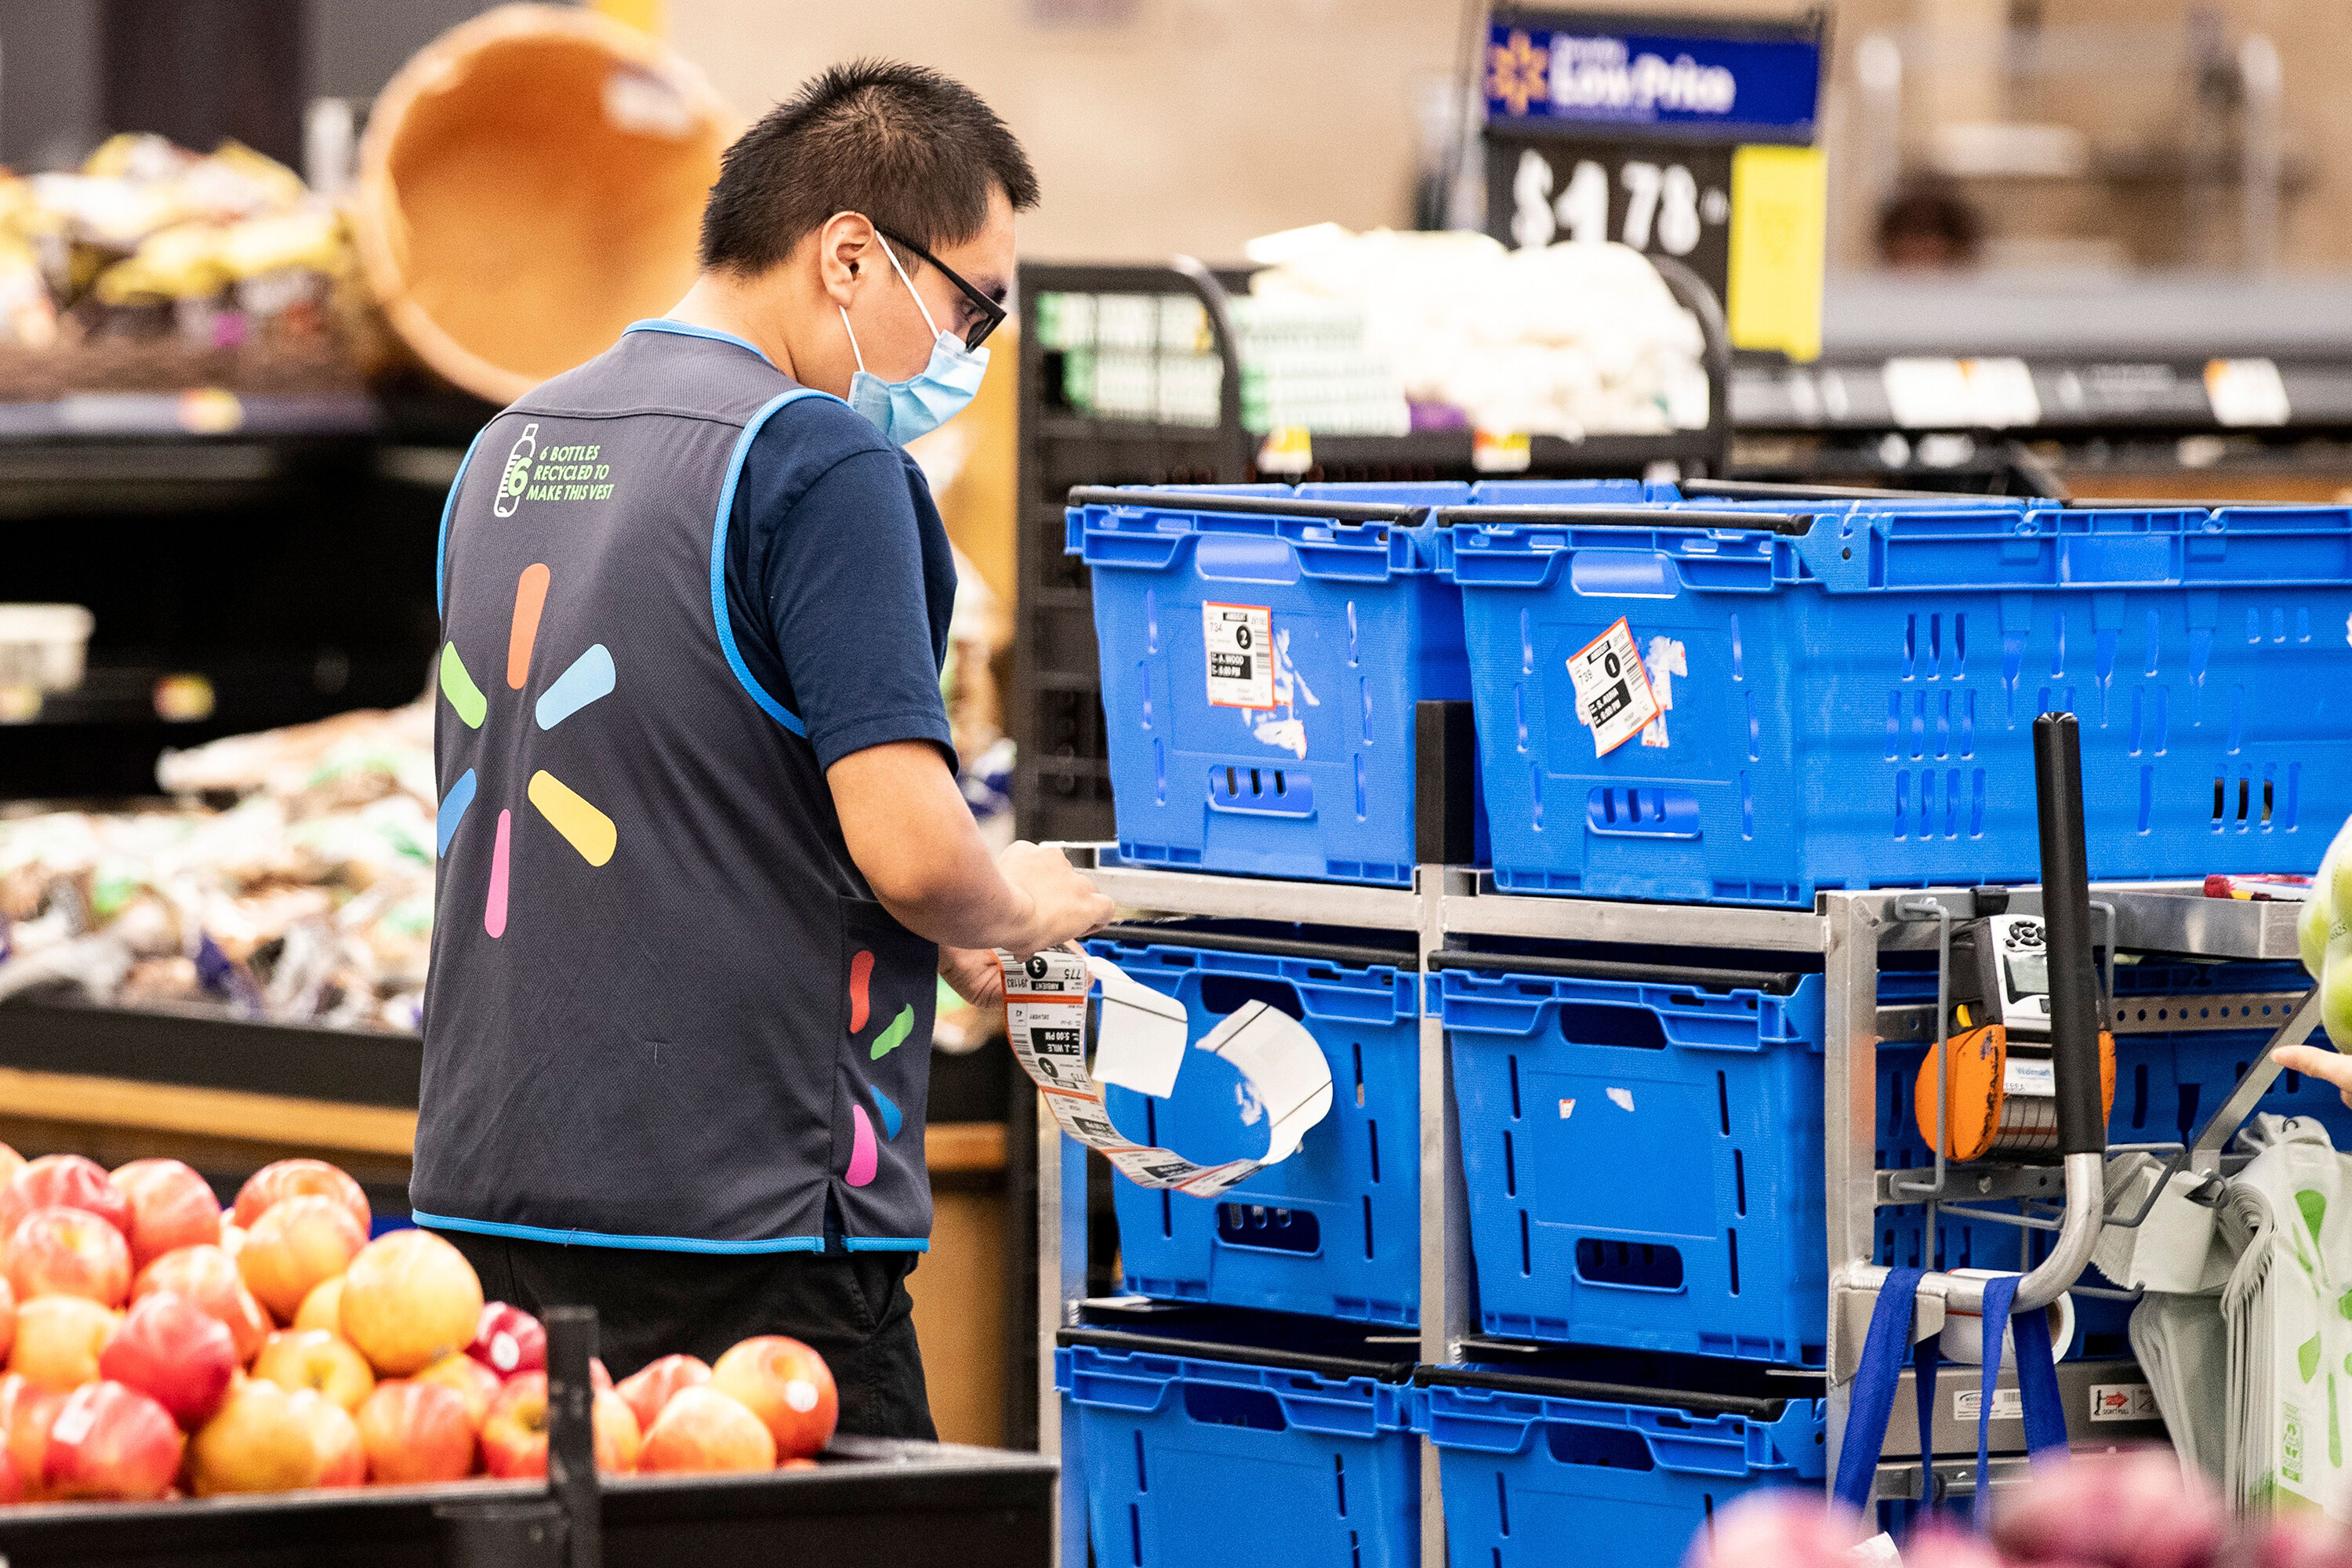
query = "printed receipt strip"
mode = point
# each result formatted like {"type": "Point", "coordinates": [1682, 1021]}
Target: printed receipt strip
{"type": "Point", "coordinates": [1045, 1021]}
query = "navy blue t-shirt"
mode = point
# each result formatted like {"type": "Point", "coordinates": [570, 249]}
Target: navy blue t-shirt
{"type": "Point", "coordinates": [840, 581]}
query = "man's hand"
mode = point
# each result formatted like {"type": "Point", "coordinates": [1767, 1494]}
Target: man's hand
{"type": "Point", "coordinates": [1063, 904]}
{"type": "Point", "coordinates": [974, 974]}
{"type": "Point", "coordinates": [2329, 1066]}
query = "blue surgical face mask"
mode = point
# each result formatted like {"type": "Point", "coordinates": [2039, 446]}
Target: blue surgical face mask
{"type": "Point", "coordinates": [920, 405]}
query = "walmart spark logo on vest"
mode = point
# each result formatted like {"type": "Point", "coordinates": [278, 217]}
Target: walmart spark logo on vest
{"type": "Point", "coordinates": [559, 473]}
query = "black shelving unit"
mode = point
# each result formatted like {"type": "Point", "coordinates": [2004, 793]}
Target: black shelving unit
{"type": "Point", "coordinates": [2103, 386]}
{"type": "Point", "coordinates": [1062, 783]}
{"type": "Point", "coordinates": [262, 544]}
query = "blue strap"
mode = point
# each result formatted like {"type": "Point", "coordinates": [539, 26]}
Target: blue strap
{"type": "Point", "coordinates": [2037, 1385]}
{"type": "Point", "coordinates": [1925, 1357]}
{"type": "Point", "coordinates": [1872, 1403]}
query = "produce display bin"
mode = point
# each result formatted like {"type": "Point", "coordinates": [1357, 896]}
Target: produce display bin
{"type": "Point", "coordinates": [912, 1505]}
{"type": "Point", "coordinates": [1204, 1456]}
{"type": "Point", "coordinates": [1260, 672]}
{"type": "Point", "coordinates": [1540, 1469]}
{"type": "Point", "coordinates": [1642, 1152]}
{"type": "Point", "coordinates": [1848, 692]}
{"type": "Point", "coordinates": [1333, 1230]}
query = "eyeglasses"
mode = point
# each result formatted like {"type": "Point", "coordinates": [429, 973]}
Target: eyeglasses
{"type": "Point", "coordinates": [990, 313]}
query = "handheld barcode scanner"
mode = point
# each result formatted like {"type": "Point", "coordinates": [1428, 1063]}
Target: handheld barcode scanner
{"type": "Point", "coordinates": [1998, 1079]}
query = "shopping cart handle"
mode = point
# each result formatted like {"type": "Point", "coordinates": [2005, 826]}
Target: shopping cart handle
{"type": "Point", "coordinates": [2066, 935]}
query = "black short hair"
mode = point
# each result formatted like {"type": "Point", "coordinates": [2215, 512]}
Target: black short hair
{"type": "Point", "coordinates": [916, 152]}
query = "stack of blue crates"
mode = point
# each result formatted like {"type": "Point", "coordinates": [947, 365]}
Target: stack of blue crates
{"type": "Point", "coordinates": [1846, 694]}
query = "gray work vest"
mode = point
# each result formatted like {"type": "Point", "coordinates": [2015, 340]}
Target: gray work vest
{"type": "Point", "coordinates": [664, 1009]}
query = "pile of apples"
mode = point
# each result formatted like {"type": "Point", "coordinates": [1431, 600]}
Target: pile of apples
{"type": "Point", "coordinates": [157, 1345]}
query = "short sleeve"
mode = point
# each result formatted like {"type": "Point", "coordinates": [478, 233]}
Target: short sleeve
{"type": "Point", "coordinates": [837, 567]}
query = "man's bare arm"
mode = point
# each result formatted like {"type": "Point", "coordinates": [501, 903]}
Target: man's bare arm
{"type": "Point", "coordinates": [913, 836]}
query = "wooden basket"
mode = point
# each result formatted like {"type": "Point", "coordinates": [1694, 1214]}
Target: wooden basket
{"type": "Point", "coordinates": [529, 183]}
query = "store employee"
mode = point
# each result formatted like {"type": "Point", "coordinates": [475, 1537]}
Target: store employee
{"type": "Point", "coordinates": [702, 850]}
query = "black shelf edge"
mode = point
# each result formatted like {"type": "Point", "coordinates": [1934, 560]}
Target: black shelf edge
{"type": "Point", "coordinates": [200, 1050]}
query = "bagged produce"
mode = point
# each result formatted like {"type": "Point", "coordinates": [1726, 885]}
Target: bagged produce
{"type": "Point", "coordinates": [295, 883]}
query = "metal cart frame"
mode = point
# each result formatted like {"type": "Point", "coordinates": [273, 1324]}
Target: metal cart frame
{"type": "Point", "coordinates": [1848, 929]}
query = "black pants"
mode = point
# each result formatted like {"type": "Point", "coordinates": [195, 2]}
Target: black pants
{"type": "Point", "coordinates": [852, 1309]}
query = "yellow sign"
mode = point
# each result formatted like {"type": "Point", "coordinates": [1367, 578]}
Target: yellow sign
{"type": "Point", "coordinates": [1780, 233]}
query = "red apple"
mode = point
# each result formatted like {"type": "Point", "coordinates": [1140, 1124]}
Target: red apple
{"type": "Point", "coordinates": [25, 1411]}
{"type": "Point", "coordinates": [410, 1298]}
{"type": "Point", "coordinates": [10, 1163]}
{"type": "Point", "coordinates": [619, 1439]}
{"type": "Point", "coordinates": [323, 1307]}
{"type": "Point", "coordinates": [343, 1458]}
{"type": "Point", "coordinates": [298, 1244]}
{"type": "Point", "coordinates": [514, 1430]}
{"type": "Point", "coordinates": [297, 1359]}
{"type": "Point", "coordinates": [259, 1442]}
{"type": "Point", "coordinates": [273, 1185]}
{"type": "Point", "coordinates": [171, 1207]}
{"type": "Point", "coordinates": [649, 1389]}
{"type": "Point", "coordinates": [60, 1340]}
{"type": "Point", "coordinates": [209, 1276]}
{"type": "Point", "coordinates": [474, 1383]}
{"type": "Point", "coordinates": [514, 1433]}
{"type": "Point", "coordinates": [11, 1485]}
{"type": "Point", "coordinates": [175, 1353]}
{"type": "Point", "coordinates": [787, 1385]}
{"type": "Point", "coordinates": [232, 1239]}
{"type": "Point", "coordinates": [112, 1441]}
{"type": "Point", "coordinates": [7, 1313]}
{"type": "Point", "coordinates": [701, 1429]}
{"type": "Point", "coordinates": [68, 1252]}
{"type": "Point", "coordinates": [62, 1181]}
{"type": "Point", "coordinates": [416, 1431]}
{"type": "Point", "coordinates": [508, 1340]}
{"type": "Point", "coordinates": [798, 1462]}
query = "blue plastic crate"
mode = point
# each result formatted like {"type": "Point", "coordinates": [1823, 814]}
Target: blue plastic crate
{"type": "Point", "coordinates": [2166, 1084]}
{"type": "Point", "coordinates": [1336, 1228]}
{"type": "Point", "coordinates": [1191, 1461]}
{"type": "Point", "coordinates": [1644, 1160]}
{"type": "Point", "coordinates": [1534, 1478]}
{"type": "Point", "coordinates": [1321, 785]}
{"type": "Point", "coordinates": [1853, 707]}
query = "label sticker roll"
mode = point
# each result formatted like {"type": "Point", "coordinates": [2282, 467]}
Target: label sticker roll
{"type": "Point", "coordinates": [1287, 1079]}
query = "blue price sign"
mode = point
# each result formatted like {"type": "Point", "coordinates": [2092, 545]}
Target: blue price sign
{"type": "Point", "coordinates": [1558, 70]}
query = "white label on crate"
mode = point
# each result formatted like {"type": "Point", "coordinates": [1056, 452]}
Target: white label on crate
{"type": "Point", "coordinates": [1240, 639]}
{"type": "Point", "coordinates": [1612, 689]}
{"type": "Point", "coordinates": [1567, 1108]}
{"type": "Point", "coordinates": [1665, 659]}
{"type": "Point", "coordinates": [2008, 1405]}
{"type": "Point", "coordinates": [2028, 1075]}
{"type": "Point", "coordinates": [1622, 1098]}
{"type": "Point", "coordinates": [2123, 1401]}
